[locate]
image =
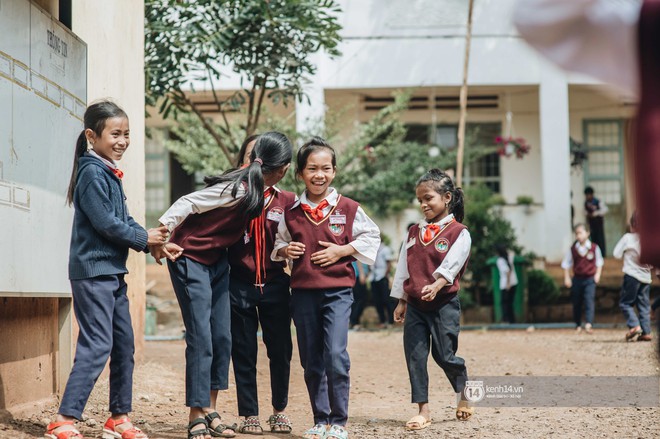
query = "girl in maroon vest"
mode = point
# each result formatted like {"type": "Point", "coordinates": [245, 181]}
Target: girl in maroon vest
{"type": "Point", "coordinates": [267, 304]}
{"type": "Point", "coordinates": [426, 283]}
{"type": "Point", "coordinates": [205, 223]}
{"type": "Point", "coordinates": [322, 233]}
{"type": "Point", "coordinates": [587, 262]}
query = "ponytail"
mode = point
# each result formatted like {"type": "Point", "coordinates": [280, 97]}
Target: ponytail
{"type": "Point", "coordinates": [94, 119]}
{"type": "Point", "coordinates": [271, 152]}
{"type": "Point", "coordinates": [442, 183]}
{"type": "Point", "coordinates": [81, 147]}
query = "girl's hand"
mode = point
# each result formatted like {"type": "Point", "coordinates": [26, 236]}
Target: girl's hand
{"type": "Point", "coordinates": [429, 292]}
{"type": "Point", "coordinates": [294, 250]}
{"type": "Point", "coordinates": [400, 311]}
{"type": "Point", "coordinates": [157, 236]}
{"type": "Point", "coordinates": [568, 283]}
{"type": "Point", "coordinates": [330, 255]}
{"type": "Point", "coordinates": [170, 251]}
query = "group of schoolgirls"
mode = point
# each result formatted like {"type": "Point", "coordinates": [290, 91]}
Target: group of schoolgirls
{"type": "Point", "coordinates": [227, 247]}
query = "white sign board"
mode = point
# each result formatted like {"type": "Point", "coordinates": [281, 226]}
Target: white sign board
{"type": "Point", "coordinates": [43, 90]}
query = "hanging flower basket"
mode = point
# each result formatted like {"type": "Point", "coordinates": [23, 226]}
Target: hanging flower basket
{"type": "Point", "coordinates": [509, 146]}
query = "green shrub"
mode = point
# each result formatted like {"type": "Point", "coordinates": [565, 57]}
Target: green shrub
{"type": "Point", "coordinates": [542, 288]}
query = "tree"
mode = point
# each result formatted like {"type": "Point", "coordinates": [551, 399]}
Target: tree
{"type": "Point", "coordinates": [267, 42]}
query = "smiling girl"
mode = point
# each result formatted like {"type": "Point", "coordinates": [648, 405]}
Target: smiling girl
{"type": "Point", "coordinates": [102, 233]}
{"type": "Point", "coordinates": [426, 283]}
{"type": "Point", "coordinates": [322, 233]}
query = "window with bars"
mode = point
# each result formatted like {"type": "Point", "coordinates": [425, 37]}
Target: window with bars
{"type": "Point", "coordinates": [485, 169]}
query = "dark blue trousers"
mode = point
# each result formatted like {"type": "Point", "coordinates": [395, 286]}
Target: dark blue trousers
{"type": "Point", "coordinates": [436, 331]}
{"type": "Point", "coordinates": [634, 292]}
{"type": "Point", "coordinates": [250, 307]}
{"type": "Point", "coordinates": [203, 295]}
{"type": "Point", "coordinates": [322, 318]}
{"type": "Point", "coordinates": [101, 308]}
{"type": "Point", "coordinates": [583, 292]}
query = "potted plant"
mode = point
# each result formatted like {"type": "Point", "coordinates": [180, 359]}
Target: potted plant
{"type": "Point", "coordinates": [526, 201]}
{"type": "Point", "coordinates": [508, 146]}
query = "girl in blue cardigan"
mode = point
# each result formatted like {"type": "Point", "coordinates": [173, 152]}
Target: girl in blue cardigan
{"type": "Point", "coordinates": [102, 233]}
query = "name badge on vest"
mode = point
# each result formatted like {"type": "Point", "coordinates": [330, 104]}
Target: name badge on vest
{"type": "Point", "coordinates": [337, 219]}
{"type": "Point", "coordinates": [410, 243]}
{"type": "Point", "coordinates": [246, 237]}
{"type": "Point", "coordinates": [275, 215]}
{"type": "Point", "coordinates": [590, 256]}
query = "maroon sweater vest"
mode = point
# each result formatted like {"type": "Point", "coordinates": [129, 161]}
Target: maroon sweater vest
{"type": "Point", "coordinates": [203, 236]}
{"type": "Point", "coordinates": [584, 266]}
{"type": "Point", "coordinates": [423, 259]}
{"type": "Point", "coordinates": [337, 227]}
{"type": "Point", "coordinates": [646, 147]}
{"type": "Point", "coordinates": [241, 255]}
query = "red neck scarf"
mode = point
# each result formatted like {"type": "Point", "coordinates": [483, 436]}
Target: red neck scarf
{"type": "Point", "coordinates": [317, 212]}
{"type": "Point", "coordinates": [117, 172]}
{"type": "Point", "coordinates": [430, 231]}
{"type": "Point", "coordinates": [257, 231]}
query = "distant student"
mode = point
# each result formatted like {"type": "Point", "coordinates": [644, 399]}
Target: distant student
{"type": "Point", "coordinates": [586, 260]}
{"type": "Point", "coordinates": [636, 285]}
{"type": "Point", "coordinates": [595, 210]}
{"type": "Point", "coordinates": [266, 304]}
{"type": "Point", "coordinates": [103, 231]}
{"type": "Point", "coordinates": [322, 233]}
{"type": "Point", "coordinates": [508, 281]}
{"type": "Point", "coordinates": [426, 283]}
{"type": "Point", "coordinates": [205, 223]}
{"type": "Point", "coordinates": [379, 277]}
{"type": "Point", "coordinates": [360, 293]}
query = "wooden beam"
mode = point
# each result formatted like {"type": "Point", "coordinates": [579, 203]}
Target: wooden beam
{"type": "Point", "coordinates": [463, 100]}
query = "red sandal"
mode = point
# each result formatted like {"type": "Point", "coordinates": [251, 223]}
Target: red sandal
{"type": "Point", "coordinates": [65, 434]}
{"type": "Point", "coordinates": [110, 432]}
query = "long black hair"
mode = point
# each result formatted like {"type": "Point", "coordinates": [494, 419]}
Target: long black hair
{"type": "Point", "coordinates": [312, 145]}
{"type": "Point", "coordinates": [272, 151]}
{"type": "Point", "coordinates": [441, 182]}
{"type": "Point", "coordinates": [94, 119]}
{"type": "Point", "coordinates": [241, 153]}
{"type": "Point", "coordinates": [503, 253]}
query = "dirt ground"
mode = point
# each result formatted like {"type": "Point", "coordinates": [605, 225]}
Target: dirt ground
{"type": "Point", "coordinates": [380, 401]}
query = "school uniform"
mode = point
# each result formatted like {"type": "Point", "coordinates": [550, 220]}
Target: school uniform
{"type": "Point", "coordinates": [321, 296]}
{"type": "Point", "coordinates": [266, 304]}
{"type": "Point", "coordinates": [636, 283]}
{"type": "Point", "coordinates": [585, 260]}
{"type": "Point", "coordinates": [102, 233]}
{"type": "Point", "coordinates": [508, 283]}
{"type": "Point", "coordinates": [205, 223]}
{"type": "Point", "coordinates": [432, 326]}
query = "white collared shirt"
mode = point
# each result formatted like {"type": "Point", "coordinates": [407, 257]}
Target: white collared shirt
{"type": "Point", "coordinates": [594, 37]}
{"type": "Point", "coordinates": [628, 248]}
{"type": "Point", "coordinates": [109, 163]}
{"type": "Point", "coordinates": [203, 200]}
{"type": "Point", "coordinates": [366, 234]}
{"type": "Point", "coordinates": [582, 250]}
{"type": "Point", "coordinates": [452, 263]}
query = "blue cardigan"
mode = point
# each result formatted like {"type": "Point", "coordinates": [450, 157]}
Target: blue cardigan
{"type": "Point", "coordinates": [103, 230]}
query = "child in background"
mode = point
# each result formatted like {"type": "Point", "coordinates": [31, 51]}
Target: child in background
{"type": "Point", "coordinates": [380, 283]}
{"type": "Point", "coordinates": [359, 293]}
{"type": "Point", "coordinates": [266, 304]}
{"type": "Point", "coordinates": [636, 285]}
{"type": "Point", "coordinates": [586, 260]}
{"type": "Point", "coordinates": [508, 281]}
{"type": "Point", "coordinates": [206, 223]}
{"type": "Point", "coordinates": [103, 231]}
{"type": "Point", "coordinates": [426, 283]}
{"type": "Point", "coordinates": [322, 232]}
{"type": "Point", "coordinates": [595, 210]}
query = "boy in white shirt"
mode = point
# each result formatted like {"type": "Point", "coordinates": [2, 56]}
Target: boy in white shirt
{"type": "Point", "coordinates": [636, 285]}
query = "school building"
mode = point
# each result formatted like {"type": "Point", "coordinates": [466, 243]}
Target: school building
{"type": "Point", "coordinates": [55, 57]}
{"type": "Point", "coordinates": [391, 44]}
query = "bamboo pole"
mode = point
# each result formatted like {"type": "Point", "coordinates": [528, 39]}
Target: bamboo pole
{"type": "Point", "coordinates": [463, 100]}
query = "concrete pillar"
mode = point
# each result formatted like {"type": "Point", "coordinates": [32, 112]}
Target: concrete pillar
{"type": "Point", "coordinates": [310, 113]}
{"type": "Point", "coordinates": [555, 163]}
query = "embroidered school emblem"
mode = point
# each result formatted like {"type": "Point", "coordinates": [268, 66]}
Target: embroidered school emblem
{"type": "Point", "coordinates": [275, 214]}
{"type": "Point", "coordinates": [590, 256]}
{"type": "Point", "coordinates": [442, 245]}
{"type": "Point", "coordinates": [336, 229]}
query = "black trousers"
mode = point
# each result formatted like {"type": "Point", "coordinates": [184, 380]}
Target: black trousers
{"type": "Point", "coordinates": [249, 308]}
{"type": "Point", "coordinates": [436, 331]}
{"type": "Point", "coordinates": [359, 302]}
{"type": "Point", "coordinates": [385, 305]}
